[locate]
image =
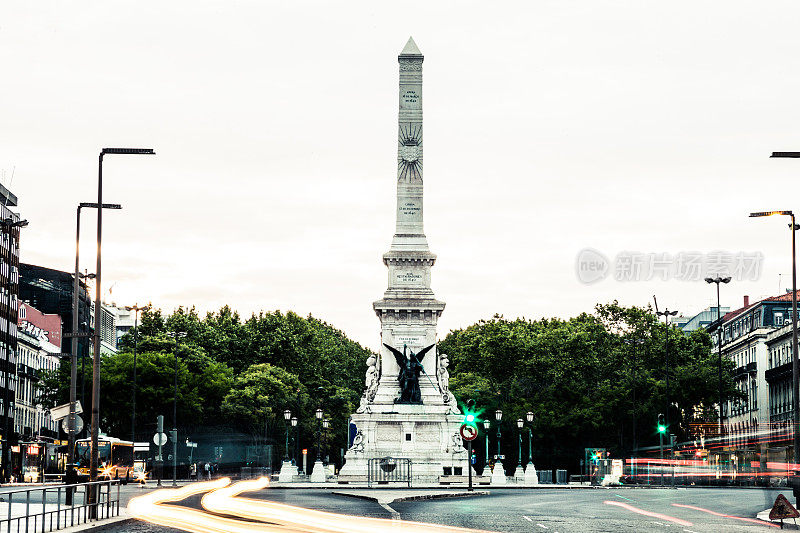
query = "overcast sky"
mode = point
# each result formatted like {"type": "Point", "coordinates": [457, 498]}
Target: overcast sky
{"type": "Point", "coordinates": [550, 127]}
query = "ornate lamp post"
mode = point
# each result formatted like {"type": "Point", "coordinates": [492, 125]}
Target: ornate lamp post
{"type": "Point", "coordinates": [294, 424]}
{"type": "Point", "coordinates": [529, 416]}
{"type": "Point", "coordinates": [318, 414]}
{"type": "Point", "coordinates": [498, 415]}
{"type": "Point", "coordinates": [287, 415]}
{"type": "Point", "coordinates": [486, 425]}
{"type": "Point", "coordinates": [520, 423]}
{"type": "Point", "coordinates": [326, 423]}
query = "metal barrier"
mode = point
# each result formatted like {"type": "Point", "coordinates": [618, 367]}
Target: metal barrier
{"type": "Point", "coordinates": [389, 470]}
{"type": "Point", "coordinates": [561, 477]}
{"type": "Point", "coordinates": [46, 509]}
{"type": "Point", "coordinates": [545, 476]}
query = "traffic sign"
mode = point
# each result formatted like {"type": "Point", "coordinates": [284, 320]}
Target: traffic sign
{"type": "Point", "coordinates": [783, 509]}
{"type": "Point", "coordinates": [468, 432]}
{"type": "Point", "coordinates": [159, 439]}
{"type": "Point", "coordinates": [78, 424]}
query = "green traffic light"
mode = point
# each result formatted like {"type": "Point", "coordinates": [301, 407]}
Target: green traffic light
{"type": "Point", "coordinates": [470, 417]}
{"type": "Point", "coordinates": [662, 428]}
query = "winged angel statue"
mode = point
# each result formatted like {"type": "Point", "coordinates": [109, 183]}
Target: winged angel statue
{"type": "Point", "coordinates": [410, 368]}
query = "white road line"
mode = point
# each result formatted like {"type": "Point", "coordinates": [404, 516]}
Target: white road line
{"type": "Point", "coordinates": [542, 526]}
{"type": "Point", "coordinates": [395, 514]}
{"type": "Point", "coordinates": [526, 518]}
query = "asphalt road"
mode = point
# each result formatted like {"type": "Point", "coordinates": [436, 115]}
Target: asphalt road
{"type": "Point", "coordinates": [547, 510]}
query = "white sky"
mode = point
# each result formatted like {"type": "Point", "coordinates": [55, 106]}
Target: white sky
{"type": "Point", "coordinates": [550, 126]}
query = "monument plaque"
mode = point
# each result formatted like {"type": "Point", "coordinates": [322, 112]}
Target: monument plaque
{"type": "Point", "coordinates": [407, 410]}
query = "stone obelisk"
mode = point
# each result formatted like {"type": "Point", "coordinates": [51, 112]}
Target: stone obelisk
{"type": "Point", "coordinates": [426, 432]}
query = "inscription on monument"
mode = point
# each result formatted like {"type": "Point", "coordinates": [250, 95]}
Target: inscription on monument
{"type": "Point", "coordinates": [410, 96]}
{"type": "Point", "coordinates": [407, 278]}
{"type": "Point", "coordinates": [409, 209]}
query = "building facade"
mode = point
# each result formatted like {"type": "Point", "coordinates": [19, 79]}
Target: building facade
{"type": "Point", "coordinates": [9, 302]}
{"type": "Point", "coordinates": [701, 320]}
{"type": "Point", "coordinates": [751, 338]}
{"type": "Point", "coordinates": [39, 342]}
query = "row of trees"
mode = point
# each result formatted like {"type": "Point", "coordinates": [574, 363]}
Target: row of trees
{"type": "Point", "coordinates": [234, 376]}
{"type": "Point", "coordinates": [587, 379]}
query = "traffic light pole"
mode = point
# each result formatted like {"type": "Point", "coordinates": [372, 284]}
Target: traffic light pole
{"type": "Point", "coordinates": [661, 453]}
{"type": "Point", "coordinates": [469, 465]}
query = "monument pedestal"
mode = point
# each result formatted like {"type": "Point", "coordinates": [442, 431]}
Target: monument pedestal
{"type": "Point", "coordinates": [531, 478]}
{"type": "Point", "coordinates": [427, 435]}
{"type": "Point", "coordinates": [519, 474]}
{"type": "Point", "coordinates": [498, 474]}
{"type": "Point", "coordinates": [287, 473]}
{"type": "Point", "coordinates": [318, 473]}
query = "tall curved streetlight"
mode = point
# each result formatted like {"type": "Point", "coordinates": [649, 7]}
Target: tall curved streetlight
{"type": "Point", "coordinates": [98, 305]}
{"type": "Point", "coordinates": [795, 362]}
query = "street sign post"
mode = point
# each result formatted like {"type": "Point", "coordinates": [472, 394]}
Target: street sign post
{"type": "Point", "coordinates": [162, 439]}
{"type": "Point", "coordinates": [782, 509]}
{"type": "Point", "coordinates": [469, 432]}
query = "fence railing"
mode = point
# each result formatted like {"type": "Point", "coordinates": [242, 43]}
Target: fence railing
{"type": "Point", "coordinates": [388, 470]}
{"type": "Point", "coordinates": [46, 509]}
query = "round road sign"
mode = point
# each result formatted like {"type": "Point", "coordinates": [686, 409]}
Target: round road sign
{"type": "Point", "coordinates": [468, 432]}
{"type": "Point", "coordinates": [78, 424]}
{"type": "Point", "coordinates": [160, 439]}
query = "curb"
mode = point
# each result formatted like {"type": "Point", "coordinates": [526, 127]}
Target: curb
{"type": "Point", "coordinates": [764, 517]}
{"type": "Point", "coordinates": [417, 497]}
{"type": "Point", "coordinates": [99, 525]}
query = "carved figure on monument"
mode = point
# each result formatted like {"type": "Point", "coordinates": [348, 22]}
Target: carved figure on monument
{"type": "Point", "coordinates": [358, 443]}
{"type": "Point", "coordinates": [371, 380]}
{"type": "Point", "coordinates": [444, 383]}
{"type": "Point", "coordinates": [410, 369]}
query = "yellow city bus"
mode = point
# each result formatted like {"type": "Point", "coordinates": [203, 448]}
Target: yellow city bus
{"type": "Point", "coordinates": [114, 458]}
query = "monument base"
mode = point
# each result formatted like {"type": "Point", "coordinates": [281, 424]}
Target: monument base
{"type": "Point", "coordinates": [498, 474]}
{"type": "Point", "coordinates": [287, 473]}
{"type": "Point", "coordinates": [425, 434]}
{"type": "Point", "coordinates": [519, 474]}
{"type": "Point", "coordinates": [531, 478]}
{"type": "Point", "coordinates": [318, 473]}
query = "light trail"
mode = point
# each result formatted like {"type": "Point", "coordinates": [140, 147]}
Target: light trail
{"type": "Point", "coordinates": [753, 520]}
{"type": "Point", "coordinates": [650, 513]}
{"type": "Point", "coordinates": [271, 517]}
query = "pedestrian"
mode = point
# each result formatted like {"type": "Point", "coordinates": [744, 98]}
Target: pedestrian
{"type": "Point", "coordinates": [193, 471]}
{"type": "Point", "coordinates": [208, 471]}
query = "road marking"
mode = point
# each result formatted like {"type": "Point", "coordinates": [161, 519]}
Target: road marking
{"type": "Point", "coordinates": [542, 526]}
{"type": "Point", "coordinates": [649, 513]}
{"type": "Point", "coordinates": [526, 518]}
{"type": "Point", "coordinates": [624, 498]}
{"type": "Point", "coordinates": [689, 531]}
{"type": "Point", "coordinates": [395, 514]}
{"type": "Point", "coordinates": [709, 511]}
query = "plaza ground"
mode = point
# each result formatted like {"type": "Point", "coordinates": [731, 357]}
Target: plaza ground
{"type": "Point", "coordinates": [548, 510]}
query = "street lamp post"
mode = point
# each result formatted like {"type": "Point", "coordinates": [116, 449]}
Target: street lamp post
{"type": "Point", "coordinates": [795, 362]}
{"type": "Point", "coordinates": [318, 415]}
{"type": "Point", "coordinates": [717, 281]}
{"type": "Point", "coordinates": [135, 308]}
{"type": "Point", "coordinates": [98, 305]}
{"type": "Point", "coordinates": [520, 423]}
{"type": "Point", "coordinates": [326, 423]}
{"type": "Point", "coordinates": [498, 415]}
{"type": "Point", "coordinates": [294, 424]}
{"type": "Point", "coordinates": [287, 415]}
{"type": "Point", "coordinates": [486, 426]}
{"type": "Point", "coordinates": [76, 284]}
{"type": "Point", "coordinates": [176, 335]}
{"type": "Point", "coordinates": [9, 227]}
{"type": "Point", "coordinates": [529, 416]}
{"type": "Point", "coordinates": [666, 313]}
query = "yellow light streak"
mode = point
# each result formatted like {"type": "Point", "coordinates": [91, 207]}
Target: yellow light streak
{"type": "Point", "coordinates": [273, 517]}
